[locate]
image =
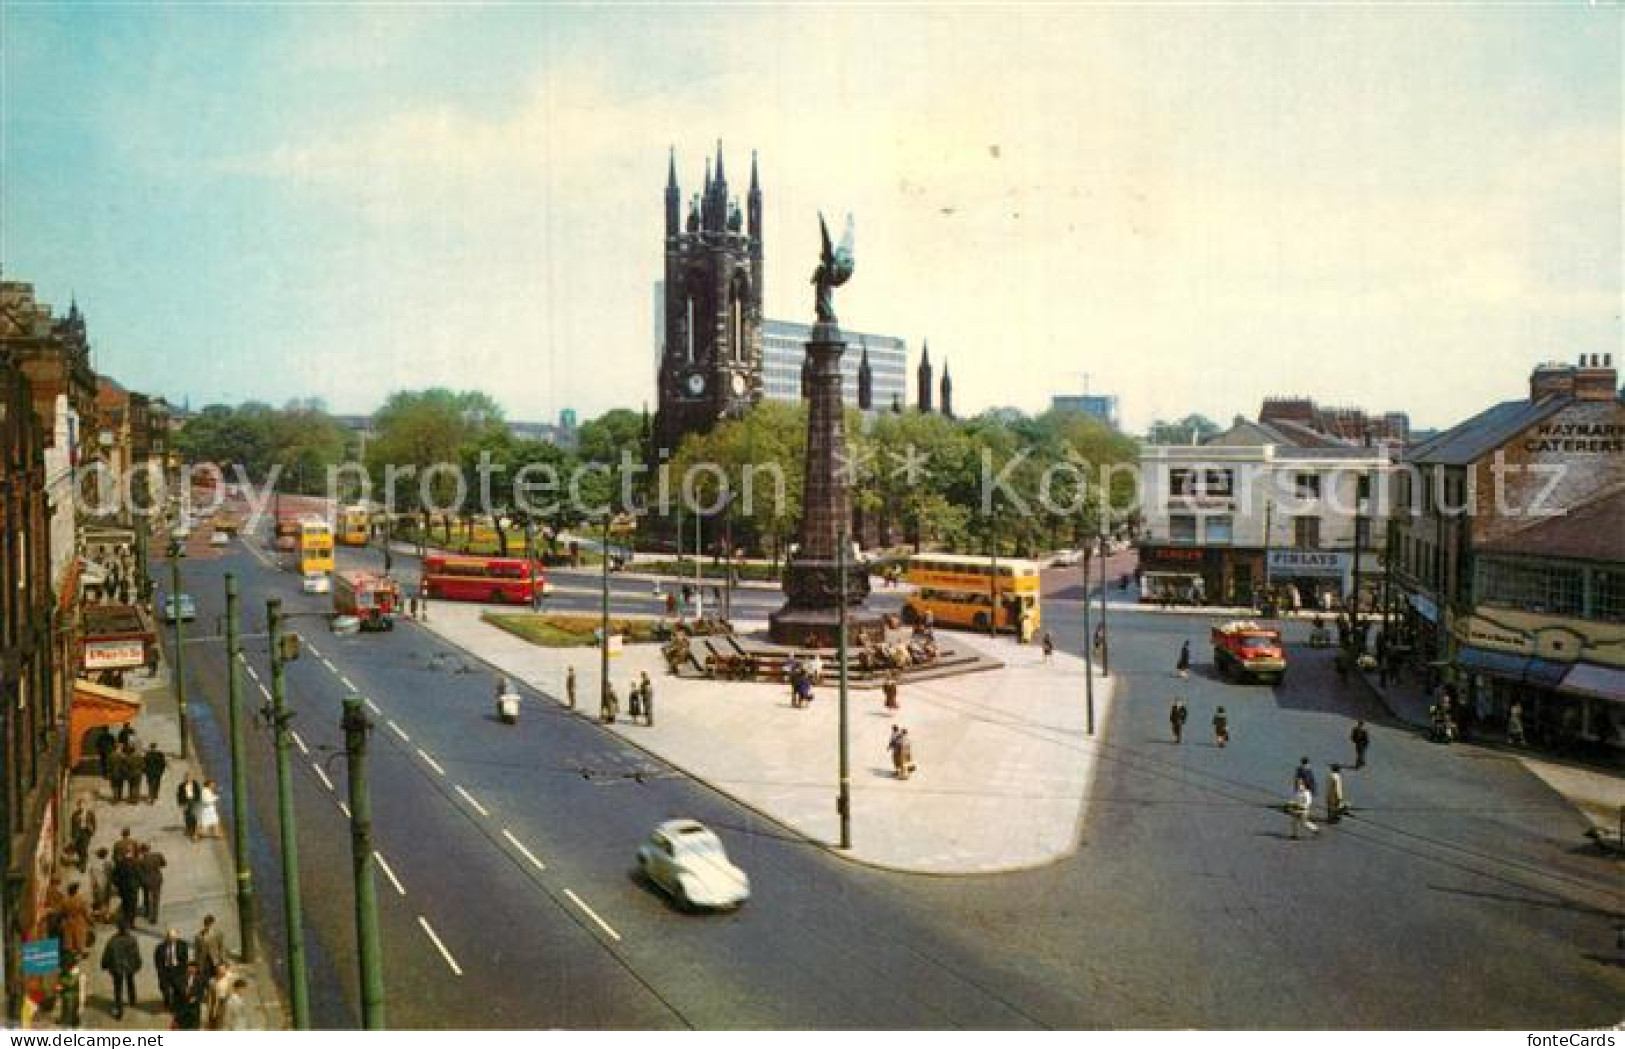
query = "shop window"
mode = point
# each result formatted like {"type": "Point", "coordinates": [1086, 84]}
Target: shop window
{"type": "Point", "coordinates": [1182, 528]}
{"type": "Point", "coordinates": [1610, 599]}
{"type": "Point", "coordinates": [1531, 588]}
{"type": "Point", "coordinates": [1306, 533]}
{"type": "Point", "coordinates": [1219, 530]}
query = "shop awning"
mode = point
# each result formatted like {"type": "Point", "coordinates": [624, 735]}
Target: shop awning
{"type": "Point", "coordinates": [97, 706]}
{"type": "Point", "coordinates": [1589, 679]}
{"type": "Point", "coordinates": [1512, 666]}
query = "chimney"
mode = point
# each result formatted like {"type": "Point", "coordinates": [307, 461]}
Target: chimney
{"type": "Point", "coordinates": [1596, 379]}
{"type": "Point", "coordinates": [1551, 379]}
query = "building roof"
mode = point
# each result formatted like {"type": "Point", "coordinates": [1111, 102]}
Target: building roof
{"type": "Point", "coordinates": [1589, 532]}
{"type": "Point", "coordinates": [1470, 441]}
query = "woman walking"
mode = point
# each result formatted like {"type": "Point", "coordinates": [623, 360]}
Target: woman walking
{"type": "Point", "coordinates": [1221, 727]}
{"type": "Point", "coordinates": [1183, 666]}
{"type": "Point", "coordinates": [208, 817]}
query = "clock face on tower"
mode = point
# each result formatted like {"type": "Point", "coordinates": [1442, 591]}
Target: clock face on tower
{"type": "Point", "coordinates": [738, 385]}
{"type": "Point", "coordinates": [695, 384]}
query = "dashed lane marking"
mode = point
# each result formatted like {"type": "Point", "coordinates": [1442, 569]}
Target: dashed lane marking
{"type": "Point", "coordinates": [346, 810]}
{"type": "Point", "coordinates": [432, 762]}
{"type": "Point", "coordinates": [397, 729]}
{"type": "Point", "coordinates": [323, 777]}
{"type": "Point", "coordinates": [250, 668]}
{"type": "Point", "coordinates": [531, 856]}
{"type": "Point", "coordinates": [374, 708]}
{"type": "Point", "coordinates": [455, 968]}
{"type": "Point", "coordinates": [315, 653]}
{"type": "Point", "coordinates": [602, 924]}
{"type": "Point", "coordinates": [298, 742]}
{"type": "Point", "coordinates": [389, 872]}
{"type": "Point", "coordinates": [471, 800]}
{"type": "Point", "coordinates": [328, 663]}
{"type": "Point", "coordinates": [264, 691]}
{"type": "Point", "coordinates": [347, 683]}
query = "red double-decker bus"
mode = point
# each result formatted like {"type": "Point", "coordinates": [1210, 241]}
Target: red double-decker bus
{"type": "Point", "coordinates": [496, 579]}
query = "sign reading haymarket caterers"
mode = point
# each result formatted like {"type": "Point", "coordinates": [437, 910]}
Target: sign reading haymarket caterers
{"type": "Point", "coordinates": [1308, 563]}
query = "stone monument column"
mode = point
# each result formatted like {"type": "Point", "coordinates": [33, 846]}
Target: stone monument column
{"type": "Point", "coordinates": [811, 613]}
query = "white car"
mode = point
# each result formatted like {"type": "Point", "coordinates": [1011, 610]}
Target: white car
{"type": "Point", "coordinates": [220, 539]}
{"type": "Point", "coordinates": [684, 858]}
{"type": "Point", "coordinates": [317, 583]}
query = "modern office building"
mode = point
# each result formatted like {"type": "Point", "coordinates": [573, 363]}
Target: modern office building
{"type": "Point", "coordinates": [1102, 406]}
{"type": "Point", "coordinates": [784, 350]}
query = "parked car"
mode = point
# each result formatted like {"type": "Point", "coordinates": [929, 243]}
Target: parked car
{"type": "Point", "coordinates": [686, 859]}
{"type": "Point", "coordinates": [180, 605]}
{"type": "Point", "coordinates": [317, 583]}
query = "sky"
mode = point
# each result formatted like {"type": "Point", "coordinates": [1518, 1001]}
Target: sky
{"type": "Point", "coordinates": [1190, 207]}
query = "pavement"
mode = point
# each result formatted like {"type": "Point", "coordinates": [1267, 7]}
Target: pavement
{"type": "Point", "coordinates": [198, 879]}
{"type": "Point", "coordinates": [1005, 764]}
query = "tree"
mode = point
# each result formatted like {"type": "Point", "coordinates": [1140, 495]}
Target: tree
{"type": "Point", "coordinates": [424, 431]}
{"type": "Point", "coordinates": [1192, 429]}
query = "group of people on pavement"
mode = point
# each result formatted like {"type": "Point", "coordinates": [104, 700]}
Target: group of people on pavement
{"type": "Point", "coordinates": [901, 748]}
{"type": "Point", "coordinates": [124, 766]}
{"type": "Point", "coordinates": [640, 700]}
{"type": "Point", "coordinates": [1179, 713]}
{"type": "Point", "coordinates": [199, 987]}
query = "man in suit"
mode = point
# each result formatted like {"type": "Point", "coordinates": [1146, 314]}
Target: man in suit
{"type": "Point", "coordinates": [154, 765]}
{"type": "Point", "coordinates": [121, 959]}
{"type": "Point", "coordinates": [82, 825]}
{"type": "Point", "coordinates": [170, 959]}
{"type": "Point", "coordinates": [127, 882]}
{"type": "Point", "coordinates": [152, 881]}
{"type": "Point", "coordinates": [209, 946]}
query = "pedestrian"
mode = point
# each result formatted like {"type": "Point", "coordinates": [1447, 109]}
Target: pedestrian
{"type": "Point", "coordinates": [209, 945]}
{"type": "Point", "coordinates": [234, 1010]}
{"type": "Point", "coordinates": [900, 755]}
{"type": "Point", "coordinates": [189, 796]}
{"type": "Point", "coordinates": [126, 735]}
{"type": "Point", "coordinates": [101, 885]}
{"type": "Point", "coordinates": [127, 883]}
{"type": "Point", "coordinates": [609, 705]}
{"type": "Point", "coordinates": [648, 698]}
{"type": "Point", "coordinates": [1361, 740]}
{"type": "Point", "coordinates": [134, 768]}
{"type": "Point", "coordinates": [70, 991]}
{"type": "Point", "coordinates": [815, 669]}
{"type": "Point", "coordinates": [1304, 777]}
{"type": "Point", "coordinates": [1177, 716]}
{"type": "Point", "coordinates": [170, 961]}
{"type": "Point", "coordinates": [154, 765]}
{"type": "Point", "coordinates": [208, 810]}
{"type": "Point", "coordinates": [82, 826]}
{"type": "Point", "coordinates": [1302, 799]}
{"type": "Point", "coordinates": [1336, 800]}
{"type": "Point", "coordinates": [189, 994]}
{"type": "Point", "coordinates": [121, 959]}
{"type": "Point", "coordinates": [1515, 725]}
{"type": "Point", "coordinates": [116, 773]}
{"type": "Point", "coordinates": [214, 998]}
{"type": "Point", "coordinates": [152, 881]}
{"type": "Point", "coordinates": [570, 687]}
{"type": "Point", "coordinates": [412, 606]}
{"type": "Point", "coordinates": [634, 700]}
{"type": "Point", "coordinates": [1183, 665]}
{"type": "Point", "coordinates": [105, 746]}
{"type": "Point", "coordinates": [73, 921]}
{"type": "Point", "coordinates": [1049, 646]}
{"type": "Point", "coordinates": [889, 689]}
{"type": "Point", "coordinates": [1221, 727]}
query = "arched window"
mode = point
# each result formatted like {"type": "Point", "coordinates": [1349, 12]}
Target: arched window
{"type": "Point", "coordinates": [688, 330]}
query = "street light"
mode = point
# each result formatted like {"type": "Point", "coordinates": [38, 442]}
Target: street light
{"type": "Point", "coordinates": [285, 647]}
{"type": "Point", "coordinates": [175, 555]}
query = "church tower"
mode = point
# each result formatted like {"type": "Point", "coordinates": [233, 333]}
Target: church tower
{"type": "Point", "coordinates": [946, 401]}
{"type": "Point", "coordinates": [866, 382]}
{"type": "Point", "coordinates": [711, 358]}
{"type": "Point", "coordinates": [924, 377]}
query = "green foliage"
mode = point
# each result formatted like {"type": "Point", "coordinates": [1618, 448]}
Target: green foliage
{"type": "Point", "coordinates": [302, 439]}
{"type": "Point", "coordinates": [1192, 429]}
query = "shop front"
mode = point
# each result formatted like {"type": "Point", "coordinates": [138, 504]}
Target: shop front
{"type": "Point", "coordinates": [1309, 580]}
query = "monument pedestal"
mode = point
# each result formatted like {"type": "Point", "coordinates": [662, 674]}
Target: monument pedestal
{"type": "Point", "coordinates": [811, 617]}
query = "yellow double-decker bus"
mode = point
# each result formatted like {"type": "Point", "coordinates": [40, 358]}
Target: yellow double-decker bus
{"type": "Point", "coordinates": [315, 547]}
{"type": "Point", "coordinates": [354, 525]}
{"type": "Point", "coordinates": [961, 591]}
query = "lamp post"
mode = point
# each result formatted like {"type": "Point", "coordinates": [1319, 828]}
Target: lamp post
{"type": "Point", "coordinates": [356, 725]}
{"type": "Point", "coordinates": [283, 648]}
{"type": "Point", "coordinates": [175, 555]}
{"type": "Point", "coordinates": [1088, 649]}
{"type": "Point", "coordinates": [1105, 633]}
{"type": "Point", "coordinates": [239, 777]}
{"type": "Point", "coordinates": [844, 802]}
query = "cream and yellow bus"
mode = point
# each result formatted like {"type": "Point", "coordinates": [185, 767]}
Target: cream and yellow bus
{"type": "Point", "coordinates": [315, 547]}
{"type": "Point", "coordinates": [354, 525]}
{"type": "Point", "coordinates": [962, 591]}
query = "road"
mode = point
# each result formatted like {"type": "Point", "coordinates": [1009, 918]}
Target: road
{"type": "Point", "coordinates": [1457, 898]}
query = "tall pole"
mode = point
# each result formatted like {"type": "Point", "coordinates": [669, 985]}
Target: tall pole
{"type": "Point", "coordinates": [1088, 650]}
{"type": "Point", "coordinates": [844, 803]}
{"type": "Point", "coordinates": [1105, 632]}
{"type": "Point", "coordinates": [1354, 594]}
{"type": "Point", "coordinates": [143, 581]}
{"type": "Point", "coordinates": [699, 590]}
{"type": "Point", "coordinates": [356, 726]}
{"type": "Point", "coordinates": [292, 907]}
{"type": "Point", "coordinates": [728, 570]}
{"type": "Point", "coordinates": [180, 655]}
{"type": "Point", "coordinates": [603, 636]}
{"type": "Point", "coordinates": [993, 583]}
{"type": "Point", "coordinates": [1269, 531]}
{"type": "Point", "coordinates": [239, 777]}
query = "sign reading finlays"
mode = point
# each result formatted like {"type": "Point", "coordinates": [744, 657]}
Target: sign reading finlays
{"type": "Point", "coordinates": [115, 655]}
{"type": "Point", "coordinates": [1308, 563]}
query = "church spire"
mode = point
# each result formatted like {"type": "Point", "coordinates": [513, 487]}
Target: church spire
{"type": "Point", "coordinates": [674, 196]}
{"type": "Point", "coordinates": [866, 381]}
{"type": "Point", "coordinates": [947, 399]}
{"type": "Point", "coordinates": [923, 376]}
{"type": "Point", "coordinates": [753, 210]}
{"type": "Point", "coordinates": [722, 180]}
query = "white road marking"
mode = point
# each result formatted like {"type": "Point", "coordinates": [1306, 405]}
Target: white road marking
{"type": "Point", "coordinates": [389, 873]}
{"type": "Point", "coordinates": [297, 741]}
{"type": "Point", "coordinates": [531, 856]}
{"type": "Point", "coordinates": [602, 924]}
{"type": "Point", "coordinates": [373, 707]}
{"type": "Point", "coordinates": [265, 691]}
{"type": "Point", "coordinates": [470, 799]}
{"type": "Point", "coordinates": [346, 810]}
{"type": "Point", "coordinates": [432, 762]}
{"type": "Point", "coordinates": [455, 968]}
{"type": "Point", "coordinates": [250, 668]}
{"type": "Point", "coordinates": [348, 683]}
{"type": "Point", "coordinates": [404, 737]}
{"type": "Point", "coordinates": [316, 653]}
{"type": "Point", "coordinates": [323, 777]}
{"type": "Point", "coordinates": [328, 663]}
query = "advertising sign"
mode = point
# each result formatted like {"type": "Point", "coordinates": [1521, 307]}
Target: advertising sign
{"type": "Point", "coordinates": [119, 654]}
{"type": "Point", "coordinates": [1319, 563]}
{"type": "Point", "coordinates": [42, 957]}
